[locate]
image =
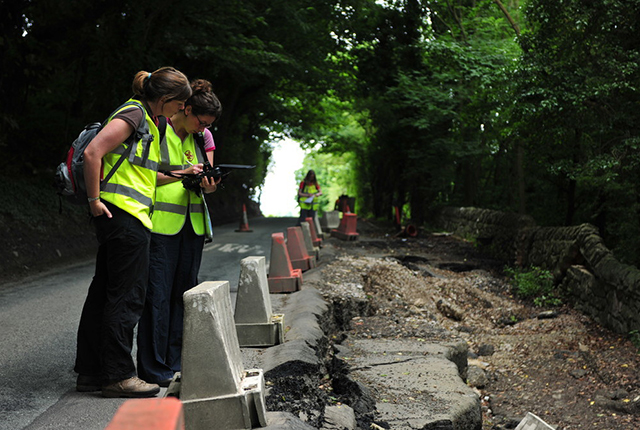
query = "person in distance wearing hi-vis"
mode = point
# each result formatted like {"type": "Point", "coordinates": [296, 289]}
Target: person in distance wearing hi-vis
{"type": "Point", "coordinates": [308, 193]}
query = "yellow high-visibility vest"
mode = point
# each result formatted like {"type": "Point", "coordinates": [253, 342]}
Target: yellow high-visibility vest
{"type": "Point", "coordinates": [173, 201]}
{"type": "Point", "coordinates": [132, 187]}
{"type": "Point", "coordinates": [309, 189]}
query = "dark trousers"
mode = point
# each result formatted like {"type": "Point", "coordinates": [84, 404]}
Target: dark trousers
{"type": "Point", "coordinates": [306, 213]}
{"type": "Point", "coordinates": [115, 299]}
{"type": "Point", "coordinates": [174, 265]}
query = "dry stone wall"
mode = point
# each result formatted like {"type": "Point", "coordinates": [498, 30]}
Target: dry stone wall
{"type": "Point", "coordinates": [584, 268]}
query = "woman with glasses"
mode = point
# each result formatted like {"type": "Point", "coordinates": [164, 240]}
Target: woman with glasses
{"type": "Point", "coordinates": [180, 223]}
{"type": "Point", "coordinates": [120, 170]}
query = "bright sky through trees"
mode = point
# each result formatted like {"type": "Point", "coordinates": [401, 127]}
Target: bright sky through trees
{"type": "Point", "coordinates": [279, 192]}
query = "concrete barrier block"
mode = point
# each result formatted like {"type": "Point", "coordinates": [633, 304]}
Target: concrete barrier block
{"type": "Point", "coordinates": [211, 358]}
{"type": "Point", "coordinates": [149, 414]}
{"type": "Point", "coordinates": [261, 334]}
{"type": "Point", "coordinates": [318, 227]}
{"type": "Point", "coordinates": [300, 259]}
{"type": "Point", "coordinates": [330, 220]}
{"type": "Point", "coordinates": [253, 303]}
{"type": "Point", "coordinates": [313, 251]}
{"type": "Point", "coordinates": [217, 393]}
{"type": "Point", "coordinates": [256, 325]}
{"type": "Point", "coordinates": [243, 410]}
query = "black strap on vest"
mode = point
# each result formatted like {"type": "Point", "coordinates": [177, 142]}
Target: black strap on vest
{"type": "Point", "coordinates": [162, 126]}
{"type": "Point", "coordinates": [199, 139]}
{"type": "Point", "coordinates": [208, 230]}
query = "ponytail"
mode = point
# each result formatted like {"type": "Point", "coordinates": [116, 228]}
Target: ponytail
{"type": "Point", "coordinates": [164, 82]}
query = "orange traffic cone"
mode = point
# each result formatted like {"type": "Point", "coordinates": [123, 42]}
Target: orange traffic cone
{"type": "Point", "coordinates": [297, 249]}
{"type": "Point", "coordinates": [283, 278]}
{"type": "Point", "coordinates": [244, 222]}
{"type": "Point", "coordinates": [347, 228]}
{"type": "Point", "coordinates": [314, 236]}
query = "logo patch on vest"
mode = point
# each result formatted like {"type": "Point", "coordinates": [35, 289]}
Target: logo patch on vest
{"type": "Point", "coordinates": [190, 156]}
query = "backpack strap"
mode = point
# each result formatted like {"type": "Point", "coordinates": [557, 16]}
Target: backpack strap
{"type": "Point", "coordinates": [162, 127]}
{"type": "Point", "coordinates": [127, 151]}
{"type": "Point", "coordinates": [123, 157]}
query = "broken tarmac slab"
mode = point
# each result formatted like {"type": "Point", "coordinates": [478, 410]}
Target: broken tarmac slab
{"type": "Point", "coordinates": [416, 385]}
{"type": "Point", "coordinates": [392, 383]}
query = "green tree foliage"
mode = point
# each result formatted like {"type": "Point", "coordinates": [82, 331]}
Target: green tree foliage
{"type": "Point", "coordinates": [574, 107]}
{"type": "Point", "coordinates": [67, 64]}
{"type": "Point", "coordinates": [414, 103]}
{"type": "Point", "coordinates": [426, 74]}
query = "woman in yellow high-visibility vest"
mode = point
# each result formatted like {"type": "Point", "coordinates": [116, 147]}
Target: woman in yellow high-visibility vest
{"type": "Point", "coordinates": [178, 234]}
{"type": "Point", "coordinates": [121, 209]}
{"type": "Point", "coordinates": [308, 193]}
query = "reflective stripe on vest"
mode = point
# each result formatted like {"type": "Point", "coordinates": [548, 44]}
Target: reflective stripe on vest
{"type": "Point", "coordinates": [308, 189]}
{"type": "Point", "coordinates": [173, 201]}
{"type": "Point", "coordinates": [178, 209]}
{"type": "Point", "coordinates": [165, 156]}
{"type": "Point", "coordinates": [132, 187]}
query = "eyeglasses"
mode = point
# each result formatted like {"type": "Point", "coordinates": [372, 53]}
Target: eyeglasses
{"type": "Point", "coordinates": [202, 123]}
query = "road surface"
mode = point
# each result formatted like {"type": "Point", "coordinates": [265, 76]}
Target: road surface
{"type": "Point", "coordinates": [39, 319]}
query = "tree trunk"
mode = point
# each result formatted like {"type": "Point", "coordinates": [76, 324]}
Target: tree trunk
{"type": "Point", "coordinates": [471, 175]}
{"type": "Point", "coordinates": [506, 13]}
{"type": "Point", "coordinates": [522, 203]}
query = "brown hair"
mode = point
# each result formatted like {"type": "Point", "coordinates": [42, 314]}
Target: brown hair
{"type": "Point", "coordinates": [203, 100]}
{"type": "Point", "coordinates": [164, 82]}
{"type": "Point", "coordinates": [308, 180]}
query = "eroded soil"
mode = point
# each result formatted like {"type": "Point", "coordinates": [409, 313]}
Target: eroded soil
{"type": "Point", "coordinates": [566, 369]}
{"type": "Point", "coordinates": [555, 362]}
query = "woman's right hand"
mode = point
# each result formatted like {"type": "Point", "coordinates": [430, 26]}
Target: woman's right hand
{"type": "Point", "coordinates": [98, 209]}
{"type": "Point", "coordinates": [194, 169]}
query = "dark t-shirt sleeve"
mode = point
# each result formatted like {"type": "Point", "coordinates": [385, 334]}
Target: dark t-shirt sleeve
{"type": "Point", "coordinates": [132, 116]}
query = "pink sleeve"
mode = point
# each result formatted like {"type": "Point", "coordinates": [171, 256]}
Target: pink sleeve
{"type": "Point", "coordinates": [209, 144]}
